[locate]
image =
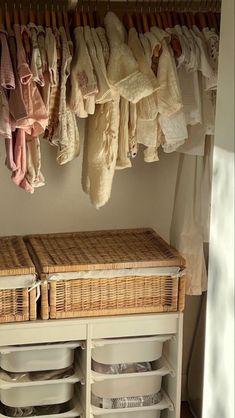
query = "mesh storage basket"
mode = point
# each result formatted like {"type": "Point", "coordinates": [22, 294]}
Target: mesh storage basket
{"type": "Point", "coordinates": [17, 277]}
{"type": "Point", "coordinates": [107, 273]}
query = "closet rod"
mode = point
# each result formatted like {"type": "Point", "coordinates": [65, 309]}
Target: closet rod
{"type": "Point", "coordinates": [188, 5]}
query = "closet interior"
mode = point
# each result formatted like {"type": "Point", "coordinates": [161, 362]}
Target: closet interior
{"type": "Point", "coordinates": [116, 101]}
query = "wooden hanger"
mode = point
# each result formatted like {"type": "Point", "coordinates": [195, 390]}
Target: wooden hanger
{"type": "Point", "coordinates": [144, 19]}
{"type": "Point", "coordinates": [175, 18]}
{"type": "Point", "coordinates": [159, 20]}
{"type": "Point", "coordinates": [188, 20]}
{"type": "Point", "coordinates": [67, 31]}
{"type": "Point", "coordinates": [169, 19]}
{"type": "Point", "coordinates": [1, 17]}
{"type": "Point", "coordinates": [77, 18]}
{"type": "Point", "coordinates": [47, 17]}
{"type": "Point", "coordinates": [201, 20]}
{"type": "Point", "coordinates": [152, 20]}
{"type": "Point", "coordinates": [192, 18]}
{"type": "Point", "coordinates": [53, 18]}
{"type": "Point", "coordinates": [164, 20]}
{"type": "Point", "coordinates": [32, 17]}
{"type": "Point", "coordinates": [137, 19]}
{"type": "Point", "coordinates": [90, 17]}
{"type": "Point", "coordinates": [25, 36]}
{"type": "Point", "coordinates": [214, 22]}
{"type": "Point", "coordinates": [182, 18]}
{"type": "Point", "coordinates": [138, 22]}
{"type": "Point", "coordinates": [7, 19]}
{"type": "Point", "coordinates": [181, 14]}
{"type": "Point", "coordinates": [15, 16]}
{"type": "Point", "coordinates": [145, 22]}
{"type": "Point", "coordinates": [84, 16]}
{"type": "Point", "coordinates": [128, 21]}
{"type": "Point", "coordinates": [40, 17]}
{"type": "Point", "coordinates": [59, 17]}
{"type": "Point", "coordinates": [209, 19]}
{"type": "Point", "coordinates": [22, 17]}
{"type": "Point", "coordinates": [96, 17]}
{"type": "Point", "coordinates": [218, 18]}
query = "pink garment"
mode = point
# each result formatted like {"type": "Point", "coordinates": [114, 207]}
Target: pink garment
{"type": "Point", "coordinates": [37, 118]}
{"type": "Point", "coordinates": [7, 79]}
{"type": "Point", "coordinates": [9, 145]}
{"type": "Point", "coordinates": [23, 68]}
{"type": "Point", "coordinates": [18, 176]}
{"type": "Point", "coordinates": [33, 124]}
{"type": "Point", "coordinates": [16, 103]}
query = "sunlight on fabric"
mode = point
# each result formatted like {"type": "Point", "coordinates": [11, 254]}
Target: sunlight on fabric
{"type": "Point", "coordinates": [219, 379]}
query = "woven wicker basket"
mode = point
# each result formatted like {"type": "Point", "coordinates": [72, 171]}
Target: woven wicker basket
{"type": "Point", "coordinates": [62, 297]}
{"type": "Point", "coordinates": [16, 302]}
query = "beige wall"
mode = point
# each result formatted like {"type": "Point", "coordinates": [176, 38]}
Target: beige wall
{"type": "Point", "coordinates": [218, 401]}
{"type": "Point", "coordinates": [142, 196]}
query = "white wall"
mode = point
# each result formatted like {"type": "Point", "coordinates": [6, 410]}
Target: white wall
{"type": "Point", "coordinates": [218, 401]}
{"type": "Point", "coordinates": [141, 196]}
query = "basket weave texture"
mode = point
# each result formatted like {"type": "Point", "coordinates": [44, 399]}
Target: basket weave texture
{"type": "Point", "coordinates": [14, 257]}
{"type": "Point", "coordinates": [16, 304]}
{"type": "Point", "coordinates": [117, 296]}
{"type": "Point", "coordinates": [99, 250]}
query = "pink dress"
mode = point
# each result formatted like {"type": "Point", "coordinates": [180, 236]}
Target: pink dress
{"type": "Point", "coordinates": [34, 123]}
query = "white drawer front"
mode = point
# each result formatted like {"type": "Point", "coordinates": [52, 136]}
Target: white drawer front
{"type": "Point", "coordinates": [38, 357]}
{"type": "Point", "coordinates": [128, 350]}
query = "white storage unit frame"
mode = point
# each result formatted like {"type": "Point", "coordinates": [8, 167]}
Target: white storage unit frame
{"type": "Point", "coordinates": [90, 329]}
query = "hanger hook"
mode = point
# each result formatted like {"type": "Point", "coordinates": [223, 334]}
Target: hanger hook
{"type": "Point", "coordinates": [149, 6]}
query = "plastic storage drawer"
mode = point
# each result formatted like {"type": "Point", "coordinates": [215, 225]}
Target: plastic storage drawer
{"type": "Point", "coordinates": [37, 357]}
{"type": "Point", "coordinates": [121, 386]}
{"type": "Point", "coordinates": [128, 350]}
{"type": "Point", "coordinates": [153, 411]}
{"type": "Point", "coordinates": [73, 411]}
{"type": "Point", "coordinates": [38, 393]}
{"type": "Point", "coordinates": [134, 414]}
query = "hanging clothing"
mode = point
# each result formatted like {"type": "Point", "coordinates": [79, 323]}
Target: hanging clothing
{"type": "Point", "coordinates": [36, 61]}
{"type": "Point", "coordinates": [123, 157]}
{"type": "Point", "coordinates": [66, 135]}
{"type": "Point", "coordinates": [190, 220]}
{"type": "Point", "coordinates": [7, 79]}
{"type": "Point", "coordinates": [82, 79]}
{"type": "Point", "coordinates": [123, 70]}
{"type": "Point", "coordinates": [5, 125]}
{"type": "Point", "coordinates": [52, 102]}
{"type": "Point", "coordinates": [20, 160]}
{"type": "Point", "coordinates": [101, 148]}
{"type": "Point", "coordinates": [33, 173]}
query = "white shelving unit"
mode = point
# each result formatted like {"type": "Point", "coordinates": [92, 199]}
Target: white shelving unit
{"type": "Point", "coordinates": [88, 330]}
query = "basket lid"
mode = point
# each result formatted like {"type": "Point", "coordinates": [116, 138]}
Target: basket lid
{"type": "Point", "coordinates": [14, 257]}
{"type": "Point", "coordinates": [100, 250]}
